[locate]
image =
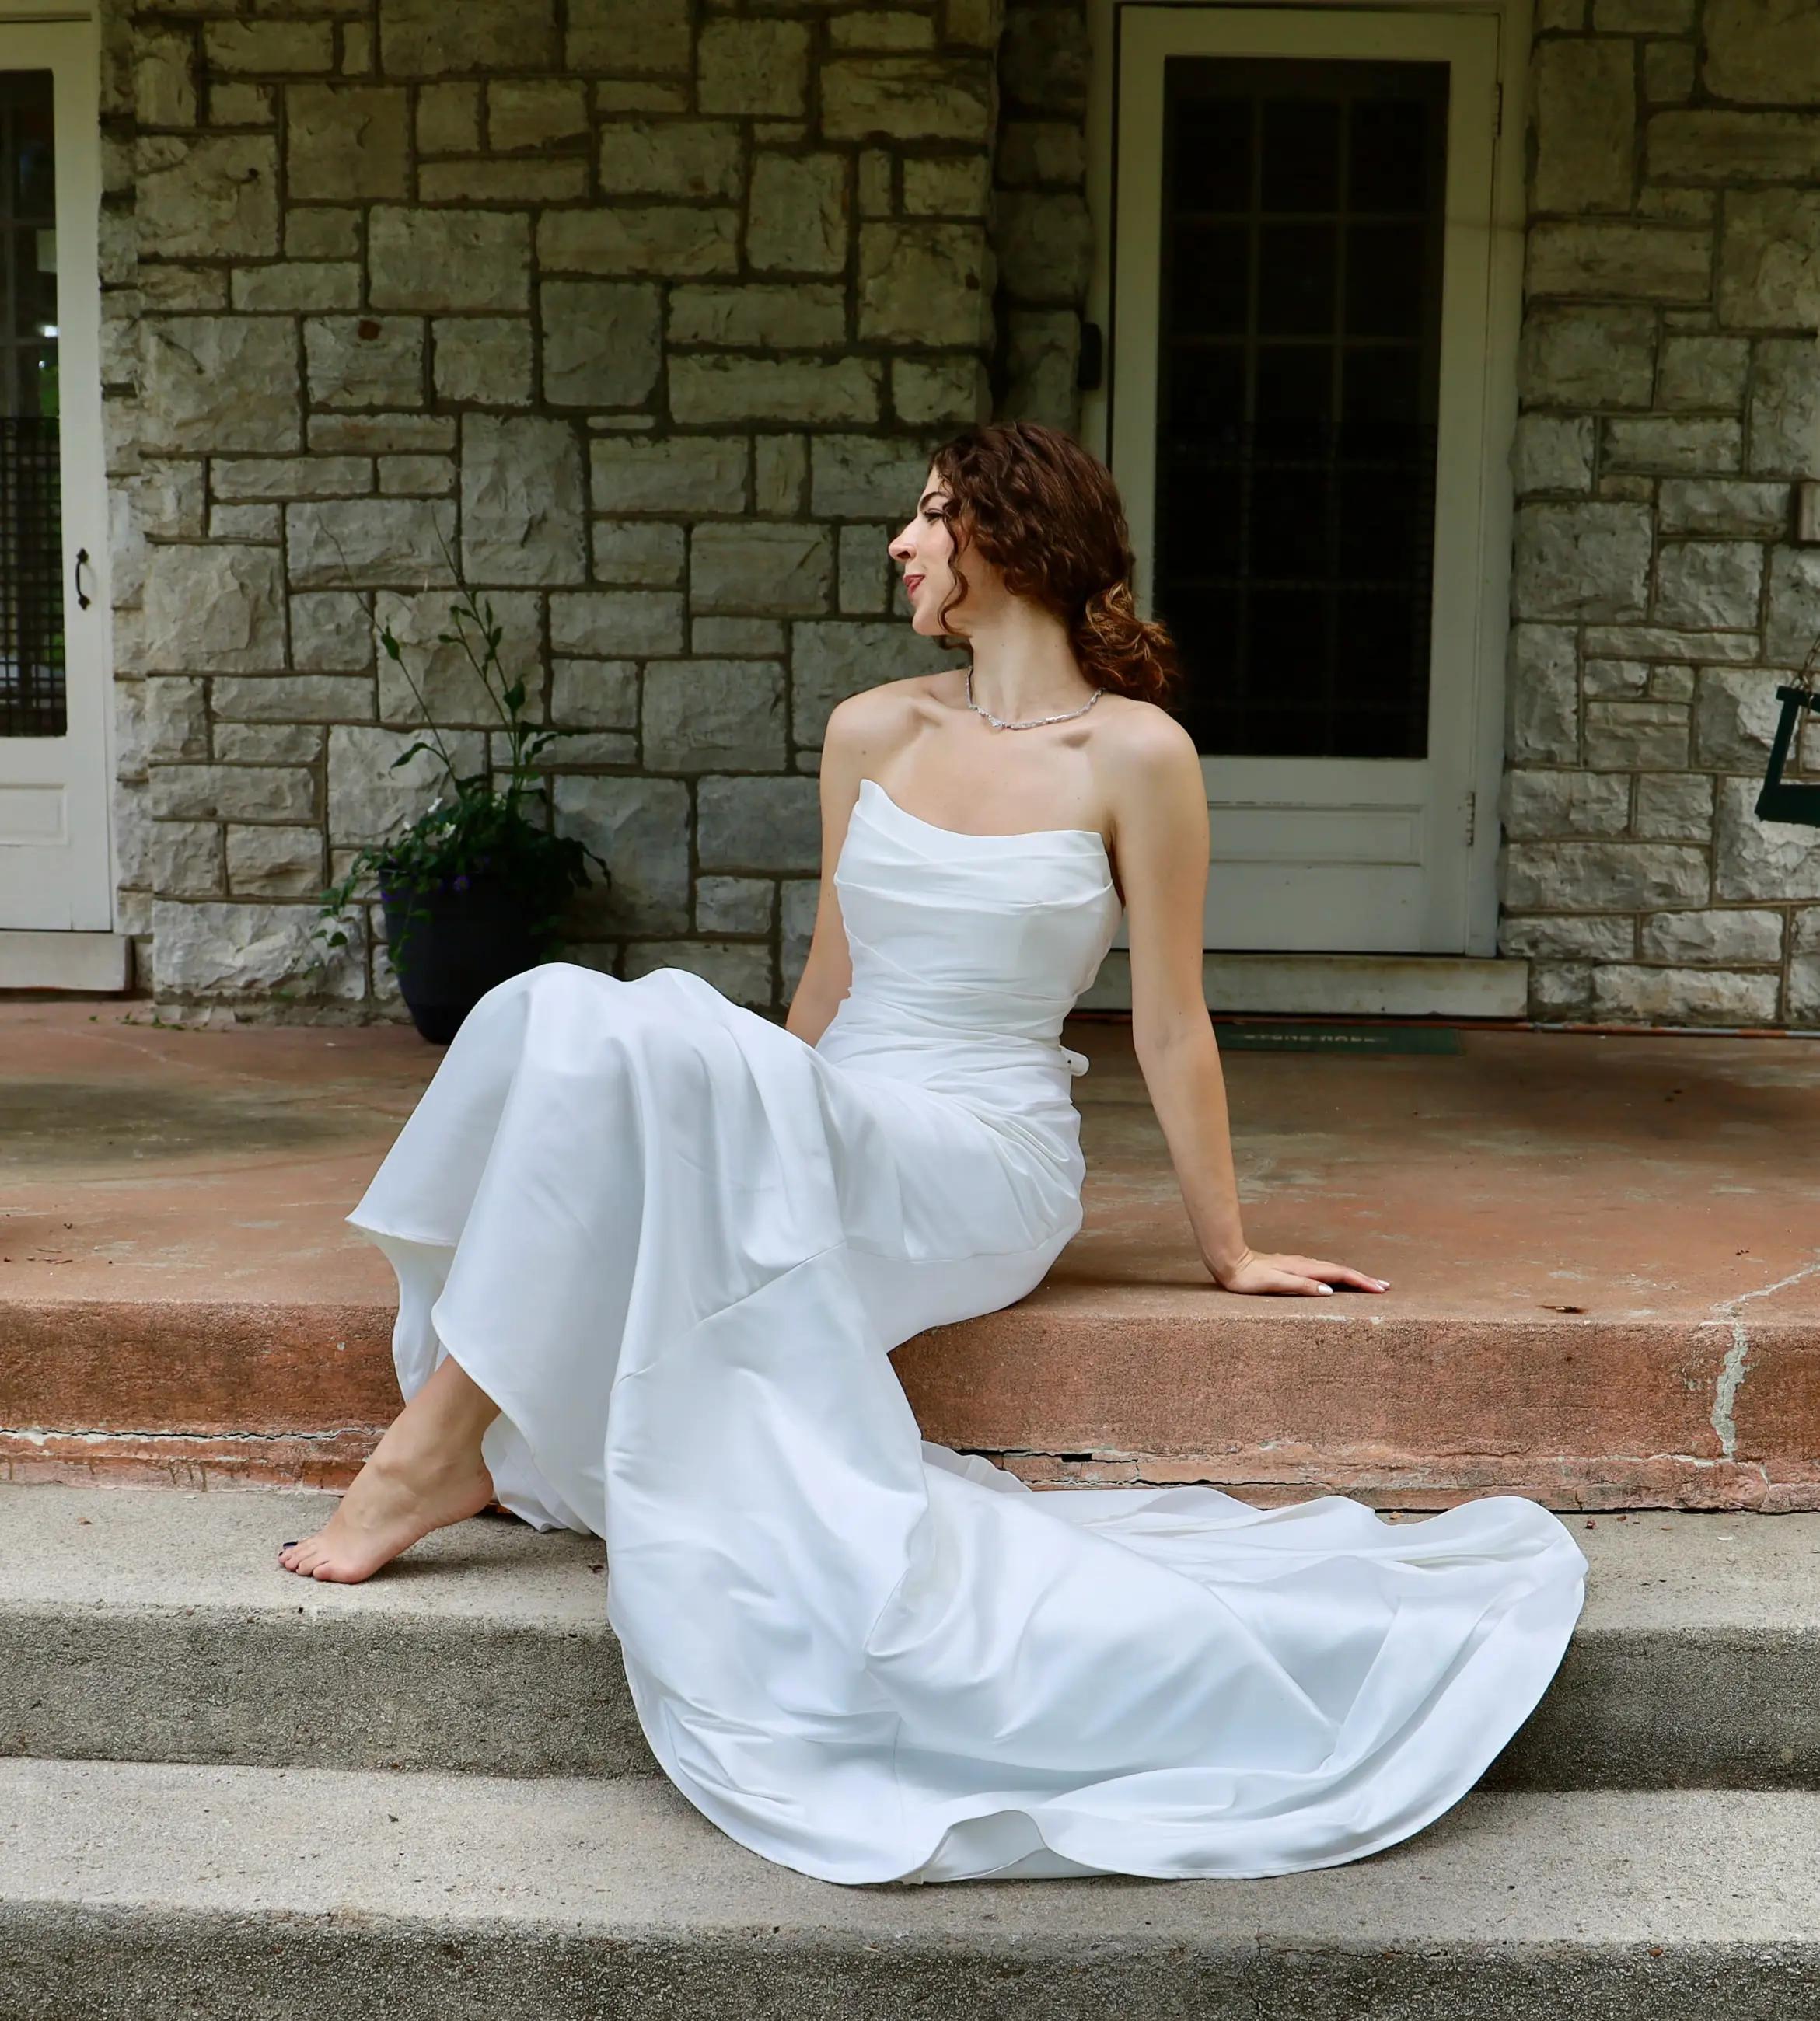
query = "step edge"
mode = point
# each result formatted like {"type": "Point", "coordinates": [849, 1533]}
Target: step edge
{"type": "Point", "coordinates": [1548, 1837]}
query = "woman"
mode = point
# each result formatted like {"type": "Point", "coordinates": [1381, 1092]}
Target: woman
{"type": "Point", "coordinates": [653, 1251]}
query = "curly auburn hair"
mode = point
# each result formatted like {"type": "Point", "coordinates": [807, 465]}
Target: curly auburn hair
{"type": "Point", "coordinates": [1046, 514]}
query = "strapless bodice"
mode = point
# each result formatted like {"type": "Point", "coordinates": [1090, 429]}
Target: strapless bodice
{"type": "Point", "coordinates": [969, 951]}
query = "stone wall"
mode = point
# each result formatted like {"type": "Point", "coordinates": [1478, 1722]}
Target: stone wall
{"type": "Point", "coordinates": [1670, 389]}
{"type": "Point", "coordinates": [1042, 235]}
{"type": "Point", "coordinates": [640, 315]}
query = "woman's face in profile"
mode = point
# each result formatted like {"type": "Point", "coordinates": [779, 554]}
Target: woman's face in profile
{"type": "Point", "coordinates": [924, 552]}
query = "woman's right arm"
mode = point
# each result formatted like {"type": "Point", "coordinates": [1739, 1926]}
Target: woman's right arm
{"type": "Point", "coordinates": [828, 971]}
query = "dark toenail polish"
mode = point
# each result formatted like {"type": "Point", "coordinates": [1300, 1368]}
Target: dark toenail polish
{"type": "Point", "coordinates": [289, 1544]}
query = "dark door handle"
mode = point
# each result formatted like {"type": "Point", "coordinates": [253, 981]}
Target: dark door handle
{"type": "Point", "coordinates": [82, 602]}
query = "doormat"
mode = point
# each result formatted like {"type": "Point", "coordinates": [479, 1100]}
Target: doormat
{"type": "Point", "coordinates": [1292, 1038]}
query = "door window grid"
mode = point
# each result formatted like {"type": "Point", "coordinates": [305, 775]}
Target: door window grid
{"type": "Point", "coordinates": [1298, 381]}
{"type": "Point", "coordinates": [32, 676]}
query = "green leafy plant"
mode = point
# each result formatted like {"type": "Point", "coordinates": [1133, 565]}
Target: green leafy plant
{"type": "Point", "coordinates": [474, 833]}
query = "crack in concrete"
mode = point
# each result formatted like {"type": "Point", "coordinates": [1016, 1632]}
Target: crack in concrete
{"type": "Point", "coordinates": [1723, 1416]}
{"type": "Point", "coordinates": [1233, 1482]}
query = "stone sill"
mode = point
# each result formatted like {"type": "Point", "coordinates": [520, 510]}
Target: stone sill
{"type": "Point", "coordinates": [81, 961]}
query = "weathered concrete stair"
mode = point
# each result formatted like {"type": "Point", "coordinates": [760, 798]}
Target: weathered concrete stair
{"type": "Point", "coordinates": [145, 1625]}
{"type": "Point", "coordinates": [231, 1794]}
{"type": "Point", "coordinates": [154, 1893]}
{"type": "Point", "coordinates": [1605, 1264]}
{"type": "Point", "coordinates": [234, 1793]}
{"type": "Point", "coordinates": [1084, 1381]}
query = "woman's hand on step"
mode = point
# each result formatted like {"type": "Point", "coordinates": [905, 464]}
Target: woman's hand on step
{"type": "Point", "coordinates": [1292, 1276]}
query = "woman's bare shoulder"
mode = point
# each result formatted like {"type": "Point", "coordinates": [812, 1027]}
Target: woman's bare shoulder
{"type": "Point", "coordinates": [1139, 745]}
{"type": "Point", "coordinates": [873, 721]}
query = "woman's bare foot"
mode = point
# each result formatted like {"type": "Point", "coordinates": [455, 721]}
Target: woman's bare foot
{"type": "Point", "coordinates": [425, 1472]}
{"type": "Point", "coordinates": [385, 1511]}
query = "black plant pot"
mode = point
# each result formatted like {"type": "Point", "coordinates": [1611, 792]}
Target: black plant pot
{"type": "Point", "coordinates": [471, 940]}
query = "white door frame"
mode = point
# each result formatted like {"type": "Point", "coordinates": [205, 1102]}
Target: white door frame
{"type": "Point", "coordinates": [1481, 621]}
{"type": "Point", "coordinates": [69, 887]}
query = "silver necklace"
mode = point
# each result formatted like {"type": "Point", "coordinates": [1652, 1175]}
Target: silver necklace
{"type": "Point", "coordinates": [999, 723]}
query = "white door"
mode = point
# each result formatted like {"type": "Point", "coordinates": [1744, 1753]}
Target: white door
{"type": "Point", "coordinates": [54, 857]}
{"type": "Point", "coordinates": [1298, 301]}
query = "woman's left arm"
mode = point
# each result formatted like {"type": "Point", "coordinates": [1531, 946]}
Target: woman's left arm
{"type": "Point", "coordinates": [1160, 833]}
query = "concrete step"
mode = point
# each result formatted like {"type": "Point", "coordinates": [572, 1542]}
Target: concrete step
{"type": "Point", "coordinates": [150, 1892]}
{"type": "Point", "coordinates": [148, 1624]}
{"type": "Point", "coordinates": [1085, 1381]}
{"type": "Point", "coordinates": [1605, 1284]}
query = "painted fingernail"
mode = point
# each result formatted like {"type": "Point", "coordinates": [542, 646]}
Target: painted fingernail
{"type": "Point", "coordinates": [1326, 1290]}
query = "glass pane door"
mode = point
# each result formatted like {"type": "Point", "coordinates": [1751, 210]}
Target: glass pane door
{"type": "Point", "coordinates": [32, 686]}
{"type": "Point", "coordinates": [57, 869]}
{"type": "Point", "coordinates": [1298, 376]}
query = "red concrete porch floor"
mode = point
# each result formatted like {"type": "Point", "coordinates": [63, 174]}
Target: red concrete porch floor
{"type": "Point", "coordinates": [1604, 1254]}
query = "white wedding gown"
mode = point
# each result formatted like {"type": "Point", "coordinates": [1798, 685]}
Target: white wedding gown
{"type": "Point", "coordinates": [676, 1242]}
